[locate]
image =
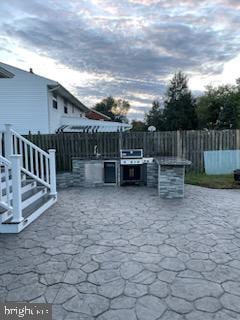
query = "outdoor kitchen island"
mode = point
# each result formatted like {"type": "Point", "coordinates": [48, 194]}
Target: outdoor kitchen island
{"type": "Point", "coordinates": [171, 174]}
{"type": "Point", "coordinates": [166, 174]}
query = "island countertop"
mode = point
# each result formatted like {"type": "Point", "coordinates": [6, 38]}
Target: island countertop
{"type": "Point", "coordinates": [172, 161]}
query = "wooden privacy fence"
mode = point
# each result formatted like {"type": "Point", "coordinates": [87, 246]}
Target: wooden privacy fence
{"type": "Point", "coordinates": [187, 144]}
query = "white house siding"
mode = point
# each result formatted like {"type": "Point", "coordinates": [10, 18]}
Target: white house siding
{"type": "Point", "coordinates": [24, 101]}
{"type": "Point", "coordinates": [55, 115]}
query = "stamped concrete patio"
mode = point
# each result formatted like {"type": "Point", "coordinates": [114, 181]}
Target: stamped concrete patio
{"type": "Point", "coordinates": [122, 253]}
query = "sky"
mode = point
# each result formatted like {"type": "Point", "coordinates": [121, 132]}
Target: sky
{"type": "Point", "coordinates": [129, 49]}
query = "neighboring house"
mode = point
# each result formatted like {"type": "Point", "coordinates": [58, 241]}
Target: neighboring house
{"type": "Point", "coordinates": [33, 103]}
{"type": "Point", "coordinates": [96, 115]}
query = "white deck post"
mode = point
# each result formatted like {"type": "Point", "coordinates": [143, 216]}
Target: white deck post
{"type": "Point", "coordinates": [16, 187]}
{"type": "Point", "coordinates": [52, 165]}
{"type": "Point", "coordinates": [8, 147]}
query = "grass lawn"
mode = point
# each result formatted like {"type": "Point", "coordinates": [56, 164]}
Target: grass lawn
{"type": "Point", "coordinates": [225, 181]}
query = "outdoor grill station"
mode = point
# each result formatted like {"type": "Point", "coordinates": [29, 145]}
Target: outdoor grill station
{"type": "Point", "coordinates": [166, 174]}
{"type": "Point", "coordinates": [133, 166]}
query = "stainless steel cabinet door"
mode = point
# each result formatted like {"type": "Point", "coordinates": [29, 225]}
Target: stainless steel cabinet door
{"type": "Point", "coordinates": [94, 172]}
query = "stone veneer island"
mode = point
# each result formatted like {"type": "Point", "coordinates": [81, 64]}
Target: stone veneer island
{"type": "Point", "coordinates": [171, 173]}
{"type": "Point", "coordinates": [164, 173]}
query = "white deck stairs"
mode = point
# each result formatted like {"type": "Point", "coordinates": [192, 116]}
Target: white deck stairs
{"type": "Point", "coordinates": [27, 181]}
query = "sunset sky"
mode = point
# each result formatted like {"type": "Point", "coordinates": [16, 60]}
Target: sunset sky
{"type": "Point", "coordinates": [128, 48]}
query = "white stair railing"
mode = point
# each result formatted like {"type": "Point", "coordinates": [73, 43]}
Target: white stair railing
{"type": "Point", "coordinates": [17, 155]}
{"type": "Point", "coordinates": [35, 162]}
{"type": "Point", "coordinates": [5, 201]}
{"type": "Point", "coordinates": [16, 188]}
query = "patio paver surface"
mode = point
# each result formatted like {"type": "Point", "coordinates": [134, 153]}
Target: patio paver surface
{"type": "Point", "coordinates": [124, 254]}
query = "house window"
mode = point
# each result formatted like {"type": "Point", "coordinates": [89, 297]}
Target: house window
{"type": "Point", "coordinates": [72, 109]}
{"type": "Point", "coordinates": [54, 101]}
{"type": "Point", "coordinates": [65, 106]}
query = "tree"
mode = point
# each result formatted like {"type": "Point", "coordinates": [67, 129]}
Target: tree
{"type": "Point", "coordinates": [218, 108]}
{"type": "Point", "coordinates": [138, 125]}
{"type": "Point", "coordinates": [105, 106]}
{"type": "Point", "coordinates": [208, 108]}
{"type": "Point", "coordinates": [180, 106]}
{"type": "Point", "coordinates": [120, 110]}
{"type": "Point", "coordinates": [227, 116]}
{"type": "Point", "coordinates": [155, 116]}
{"type": "Point", "coordinates": [117, 110]}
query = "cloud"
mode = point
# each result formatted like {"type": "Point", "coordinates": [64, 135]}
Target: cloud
{"type": "Point", "coordinates": [131, 45]}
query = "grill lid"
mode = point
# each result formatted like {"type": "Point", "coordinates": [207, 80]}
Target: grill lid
{"type": "Point", "coordinates": [131, 153]}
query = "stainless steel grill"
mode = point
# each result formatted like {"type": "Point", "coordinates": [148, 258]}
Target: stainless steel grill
{"type": "Point", "coordinates": [131, 153]}
{"type": "Point", "coordinates": [132, 166]}
{"type": "Point", "coordinates": [133, 157]}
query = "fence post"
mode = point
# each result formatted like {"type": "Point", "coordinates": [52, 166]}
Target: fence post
{"type": "Point", "coordinates": [8, 147]}
{"type": "Point", "coordinates": [237, 133]}
{"type": "Point", "coordinates": [16, 187]}
{"type": "Point", "coordinates": [52, 163]}
{"type": "Point", "coordinates": [120, 140]}
{"type": "Point", "coordinates": [179, 144]}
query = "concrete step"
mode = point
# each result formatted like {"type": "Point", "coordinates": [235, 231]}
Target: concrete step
{"type": "Point", "coordinates": [3, 181]}
{"type": "Point", "coordinates": [30, 213]}
{"type": "Point", "coordinates": [4, 215]}
{"type": "Point", "coordinates": [32, 196]}
{"type": "Point", "coordinates": [26, 186]}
